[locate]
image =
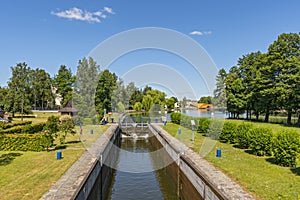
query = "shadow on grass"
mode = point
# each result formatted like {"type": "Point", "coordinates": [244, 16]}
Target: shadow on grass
{"type": "Point", "coordinates": [6, 159]}
{"type": "Point", "coordinates": [271, 160]}
{"type": "Point", "coordinates": [296, 171]}
{"type": "Point", "coordinates": [73, 142]}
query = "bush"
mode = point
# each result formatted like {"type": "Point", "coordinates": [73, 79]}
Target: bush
{"type": "Point", "coordinates": [243, 136]}
{"type": "Point", "coordinates": [29, 129]}
{"type": "Point", "coordinates": [229, 131]}
{"type": "Point", "coordinates": [261, 141]}
{"type": "Point", "coordinates": [175, 117]}
{"type": "Point", "coordinates": [286, 147]}
{"type": "Point", "coordinates": [5, 125]}
{"type": "Point", "coordinates": [215, 129]}
{"type": "Point", "coordinates": [203, 125]}
{"type": "Point", "coordinates": [24, 142]}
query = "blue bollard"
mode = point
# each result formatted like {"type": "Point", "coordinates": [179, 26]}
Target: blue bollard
{"type": "Point", "coordinates": [219, 153]}
{"type": "Point", "coordinates": [165, 123]}
{"type": "Point", "coordinates": [91, 131]}
{"type": "Point", "coordinates": [179, 131]}
{"type": "Point", "coordinates": [58, 155]}
{"type": "Point", "coordinates": [112, 120]}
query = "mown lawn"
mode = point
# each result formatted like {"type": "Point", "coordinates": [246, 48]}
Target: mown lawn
{"type": "Point", "coordinates": [36, 117]}
{"type": "Point", "coordinates": [257, 175]}
{"type": "Point", "coordinates": [28, 175]}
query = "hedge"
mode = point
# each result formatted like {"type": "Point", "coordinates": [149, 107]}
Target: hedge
{"type": "Point", "coordinates": [25, 142]}
{"type": "Point", "coordinates": [284, 146]}
{"type": "Point", "coordinates": [4, 125]}
{"type": "Point", "coordinates": [29, 129]}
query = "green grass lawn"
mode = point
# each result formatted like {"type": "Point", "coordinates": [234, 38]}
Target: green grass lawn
{"type": "Point", "coordinates": [257, 175]}
{"type": "Point", "coordinates": [28, 175]}
{"type": "Point", "coordinates": [36, 117]}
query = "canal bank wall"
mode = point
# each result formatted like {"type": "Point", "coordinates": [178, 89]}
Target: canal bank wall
{"type": "Point", "coordinates": [211, 183]}
{"type": "Point", "coordinates": [79, 181]}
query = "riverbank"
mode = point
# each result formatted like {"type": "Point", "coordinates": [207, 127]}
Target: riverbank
{"type": "Point", "coordinates": [257, 175]}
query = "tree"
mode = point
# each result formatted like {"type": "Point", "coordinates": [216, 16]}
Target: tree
{"type": "Point", "coordinates": [234, 93]}
{"type": "Point", "coordinates": [247, 71]}
{"type": "Point", "coordinates": [103, 97]}
{"type": "Point", "coordinates": [170, 102]}
{"type": "Point", "coordinates": [19, 90]}
{"type": "Point", "coordinates": [138, 106]}
{"type": "Point", "coordinates": [147, 102]}
{"type": "Point", "coordinates": [205, 99]}
{"type": "Point", "coordinates": [284, 56]}
{"type": "Point", "coordinates": [219, 98]}
{"type": "Point", "coordinates": [40, 83]}
{"type": "Point", "coordinates": [51, 129]}
{"type": "Point", "coordinates": [85, 86]}
{"type": "Point", "coordinates": [66, 127]}
{"type": "Point", "coordinates": [135, 97]}
{"type": "Point", "coordinates": [3, 97]}
{"type": "Point", "coordinates": [64, 82]}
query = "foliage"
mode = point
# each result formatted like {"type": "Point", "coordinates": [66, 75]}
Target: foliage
{"type": "Point", "coordinates": [243, 135]}
{"type": "Point", "coordinates": [286, 148]}
{"type": "Point", "coordinates": [203, 125]}
{"type": "Point", "coordinates": [261, 141]}
{"type": "Point", "coordinates": [103, 97]}
{"type": "Point", "coordinates": [175, 117]}
{"type": "Point", "coordinates": [4, 125]}
{"type": "Point", "coordinates": [27, 128]}
{"type": "Point", "coordinates": [262, 83]}
{"type": "Point", "coordinates": [66, 127]}
{"type": "Point", "coordinates": [229, 132]}
{"type": "Point", "coordinates": [41, 89]}
{"type": "Point", "coordinates": [23, 142]}
{"type": "Point", "coordinates": [63, 82]}
{"type": "Point", "coordinates": [205, 99]}
{"type": "Point", "coordinates": [19, 90]}
{"type": "Point", "coordinates": [138, 106]}
{"type": "Point", "coordinates": [85, 87]}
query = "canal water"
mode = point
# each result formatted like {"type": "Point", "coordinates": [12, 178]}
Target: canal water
{"type": "Point", "coordinates": [142, 172]}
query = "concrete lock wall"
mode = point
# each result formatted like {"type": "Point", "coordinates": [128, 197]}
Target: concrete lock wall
{"type": "Point", "coordinates": [79, 181]}
{"type": "Point", "coordinates": [90, 170]}
{"type": "Point", "coordinates": [211, 183]}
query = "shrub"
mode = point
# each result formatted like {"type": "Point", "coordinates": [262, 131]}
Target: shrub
{"type": "Point", "coordinates": [243, 137]}
{"type": "Point", "coordinates": [29, 129]}
{"type": "Point", "coordinates": [286, 147]}
{"type": "Point", "coordinates": [229, 131]}
{"type": "Point", "coordinates": [175, 117]}
{"type": "Point", "coordinates": [24, 142]}
{"type": "Point", "coordinates": [215, 129]}
{"type": "Point", "coordinates": [261, 141]}
{"type": "Point", "coordinates": [5, 125]}
{"type": "Point", "coordinates": [203, 125]}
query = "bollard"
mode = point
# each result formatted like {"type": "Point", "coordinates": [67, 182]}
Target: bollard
{"type": "Point", "coordinates": [91, 131]}
{"type": "Point", "coordinates": [165, 123]}
{"type": "Point", "coordinates": [219, 153]}
{"type": "Point", "coordinates": [58, 155]}
{"type": "Point", "coordinates": [179, 131]}
{"type": "Point", "coordinates": [112, 120]}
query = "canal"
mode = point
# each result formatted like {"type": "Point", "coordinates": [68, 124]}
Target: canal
{"type": "Point", "coordinates": [144, 170]}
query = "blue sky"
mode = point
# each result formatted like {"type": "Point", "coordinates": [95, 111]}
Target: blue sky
{"type": "Point", "coordinates": [49, 33]}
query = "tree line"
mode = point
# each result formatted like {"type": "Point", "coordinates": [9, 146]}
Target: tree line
{"type": "Point", "coordinates": [90, 89]}
{"type": "Point", "coordinates": [263, 83]}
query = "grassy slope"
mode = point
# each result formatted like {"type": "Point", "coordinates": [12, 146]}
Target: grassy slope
{"type": "Point", "coordinates": [28, 175]}
{"type": "Point", "coordinates": [256, 175]}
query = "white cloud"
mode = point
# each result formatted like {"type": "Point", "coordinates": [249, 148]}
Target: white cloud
{"type": "Point", "coordinates": [200, 33]}
{"type": "Point", "coordinates": [109, 10]}
{"type": "Point", "coordinates": [78, 14]}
